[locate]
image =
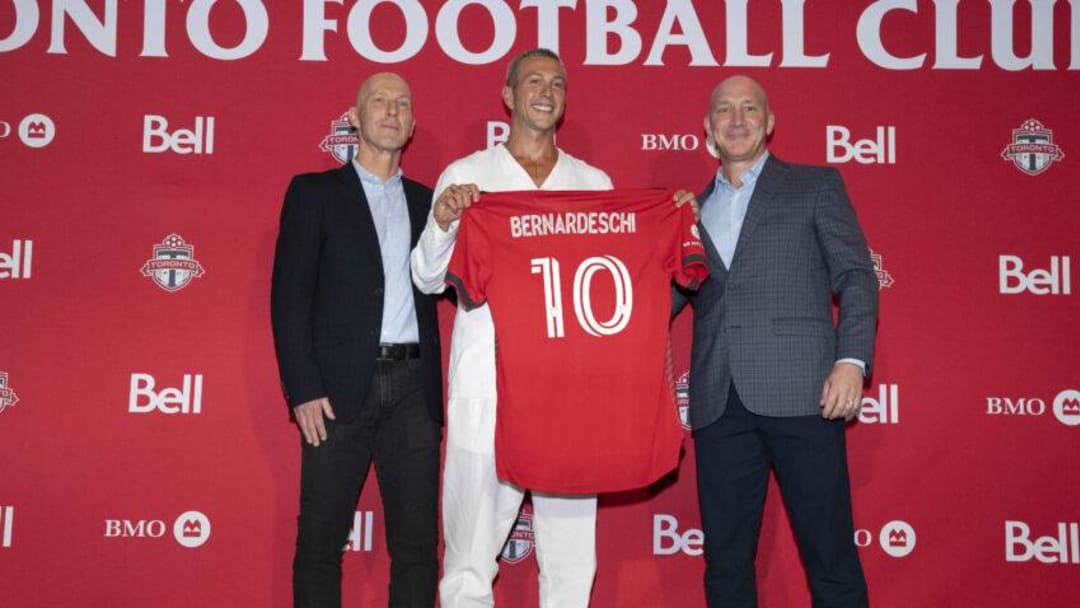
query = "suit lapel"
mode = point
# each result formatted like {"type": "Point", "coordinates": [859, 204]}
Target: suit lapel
{"type": "Point", "coordinates": [418, 209]}
{"type": "Point", "coordinates": [767, 184]}
{"type": "Point", "coordinates": [357, 209]}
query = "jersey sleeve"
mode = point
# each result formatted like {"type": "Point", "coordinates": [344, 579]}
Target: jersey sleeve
{"type": "Point", "coordinates": [691, 265]}
{"type": "Point", "coordinates": [470, 265]}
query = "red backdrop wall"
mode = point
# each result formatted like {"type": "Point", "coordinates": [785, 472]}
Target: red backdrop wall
{"type": "Point", "coordinates": [147, 455]}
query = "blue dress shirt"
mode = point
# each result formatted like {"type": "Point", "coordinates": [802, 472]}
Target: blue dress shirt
{"type": "Point", "coordinates": [390, 212]}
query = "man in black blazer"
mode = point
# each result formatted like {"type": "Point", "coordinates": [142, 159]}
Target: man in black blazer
{"type": "Point", "coordinates": [772, 378]}
{"type": "Point", "coordinates": [359, 356]}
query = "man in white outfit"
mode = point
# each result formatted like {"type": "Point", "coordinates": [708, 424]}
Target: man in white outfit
{"type": "Point", "coordinates": [478, 509]}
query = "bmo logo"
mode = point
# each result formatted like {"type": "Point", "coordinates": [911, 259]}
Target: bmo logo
{"type": "Point", "coordinates": [191, 529]}
{"type": "Point", "coordinates": [896, 538]}
{"type": "Point", "coordinates": [883, 409]}
{"type": "Point", "coordinates": [1014, 279]}
{"type": "Point", "coordinates": [1063, 548]}
{"type": "Point", "coordinates": [675, 142]}
{"type": "Point", "coordinates": [668, 540]}
{"type": "Point", "coordinates": [497, 133]}
{"type": "Point", "coordinates": [1066, 407]}
{"type": "Point", "coordinates": [157, 138]}
{"type": "Point", "coordinates": [880, 150]}
{"type": "Point", "coordinates": [144, 397]}
{"type": "Point", "coordinates": [360, 537]}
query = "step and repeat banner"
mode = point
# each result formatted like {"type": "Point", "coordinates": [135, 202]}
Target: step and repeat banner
{"type": "Point", "coordinates": [147, 456]}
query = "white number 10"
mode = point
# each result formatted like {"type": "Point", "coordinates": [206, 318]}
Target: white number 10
{"type": "Point", "coordinates": [624, 295]}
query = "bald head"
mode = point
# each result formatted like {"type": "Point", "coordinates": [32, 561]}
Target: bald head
{"type": "Point", "coordinates": [739, 86]}
{"type": "Point", "coordinates": [380, 80]}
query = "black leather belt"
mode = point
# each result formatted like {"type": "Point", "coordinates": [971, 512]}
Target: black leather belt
{"type": "Point", "coordinates": [399, 352]}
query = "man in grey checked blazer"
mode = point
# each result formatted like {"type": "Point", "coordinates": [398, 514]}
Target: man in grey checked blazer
{"type": "Point", "coordinates": [773, 379]}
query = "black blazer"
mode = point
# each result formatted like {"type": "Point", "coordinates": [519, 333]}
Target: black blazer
{"type": "Point", "coordinates": [326, 296]}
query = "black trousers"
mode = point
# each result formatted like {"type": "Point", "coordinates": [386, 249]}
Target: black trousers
{"type": "Point", "coordinates": [396, 432]}
{"type": "Point", "coordinates": [809, 455]}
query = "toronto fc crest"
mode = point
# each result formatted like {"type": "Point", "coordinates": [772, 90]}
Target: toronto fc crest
{"type": "Point", "coordinates": [342, 141]}
{"type": "Point", "coordinates": [173, 264]}
{"type": "Point", "coordinates": [520, 543]}
{"type": "Point", "coordinates": [1032, 149]}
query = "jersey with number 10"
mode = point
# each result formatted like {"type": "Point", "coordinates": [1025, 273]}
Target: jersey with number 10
{"type": "Point", "coordinates": [579, 287]}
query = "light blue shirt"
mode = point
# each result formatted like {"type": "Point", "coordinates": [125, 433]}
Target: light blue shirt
{"type": "Point", "coordinates": [723, 213]}
{"type": "Point", "coordinates": [390, 212]}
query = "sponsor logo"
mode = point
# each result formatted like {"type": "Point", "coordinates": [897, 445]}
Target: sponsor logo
{"type": "Point", "coordinates": [8, 397]}
{"type": "Point", "coordinates": [342, 140]}
{"type": "Point", "coordinates": [522, 538]}
{"type": "Point", "coordinates": [497, 133]}
{"type": "Point", "coordinates": [881, 150]}
{"type": "Point", "coordinates": [896, 538]}
{"type": "Point", "coordinates": [19, 263]}
{"type": "Point", "coordinates": [885, 409]}
{"type": "Point", "coordinates": [1066, 406]}
{"type": "Point", "coordinates": [143, 399]}
{"type": "Point", "coordinates": [885, 279]}
{"type": "Point", "coordinates": [173, 264]}
{"type": "Point", "coordinates": [37, 130]}
{"type": "Point", "coordinates": [191, 529]}
{"type": "Point", "coordinates": [682, 398]}
{"type": "Point", "coordinates": [667, 540]}
{"type": "Point", "coordinates": [1013, 280]}
{"type": "Point", "coordinates": [1061, 549]}
{"type": "Point", "coordinates": [360, 537]}
{"type": "Point", "coordinates": [7, 517]}
{"type": "Point", "coordinates": [157, 138]}
{"type": "Point", "coordinates": [674, 142]}
{"type": "Point", "coordinates": [1032, 149]}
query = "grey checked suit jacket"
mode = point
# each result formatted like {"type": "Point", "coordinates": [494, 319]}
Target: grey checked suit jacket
{"type": "Point", "coordinates": [767, 321]}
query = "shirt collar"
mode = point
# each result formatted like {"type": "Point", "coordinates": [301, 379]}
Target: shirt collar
{"type": "Point", "coordinates": [749, 178]}
{"type": "Point", "coordinates": [371, 179]}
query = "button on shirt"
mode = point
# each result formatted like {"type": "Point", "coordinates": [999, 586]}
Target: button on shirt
{"type": "Point", "coordinates": [390, 212]}
{"type": "Point", "coordinates": [723, 213]}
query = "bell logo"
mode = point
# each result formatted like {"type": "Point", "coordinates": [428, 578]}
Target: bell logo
{"type": "Point", "coordinates": [881, 150]}
{"type": "Point", "coordinates": [1067, 407]}
{"type": "Point", "coordinates": [157, 139]}
{"type": "Point", "coordinates": [1013, 280]}
{"type": "Point", "coordinates": [17, 264]}
{"type": "Point", "coordinates": [143, 399]}
{"type": "Point", "coordinates": [897, 538]}
{"type": "Point", "coordinates": [37, 130]}
{"type": "Point", "coordinates": [497, 133]}
{"type": "Point", "coordinates": [362, 532]}
{"type": "Point", "coordinates": [7, 514]}
{"type": "Point", "coordinates": [883, 410]}
{"type": "Point", "coordinates": [1061, 549]}
{"type": "Point", "coordinates": [667, 540]}
{"type": "Point", "coordinates": [191, 529]}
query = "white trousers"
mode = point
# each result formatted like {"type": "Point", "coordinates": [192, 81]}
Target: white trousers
{"type": "Point", "coordinates": [479, 511]}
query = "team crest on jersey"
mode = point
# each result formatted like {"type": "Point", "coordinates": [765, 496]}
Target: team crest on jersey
{"type": "Point", "coordinates": [173, 265]}
{"type": "Point", "coordinates": [7, 394]}
{"type": "Point", "coordinates": [342, 141]}
{"type": "Point", "coordinates": [682, 398]}
{"type": "Point", "coordinates": [520, 544]}
{"type": "Point", "coordinates": [1033, 149]}
{"type": "Point", "coordinates": [884, 278]}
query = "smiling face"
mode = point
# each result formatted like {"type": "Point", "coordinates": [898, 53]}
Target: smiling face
{"type": "Point", "coordinates": [383, 114]}
{"type": "Point", "coordinates": [739, 120]}
{"type": "Point", "coordinates": [538, 97]}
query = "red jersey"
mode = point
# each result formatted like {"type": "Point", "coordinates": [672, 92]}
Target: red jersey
{"type": "Point", "coordinates": [579, 287]}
